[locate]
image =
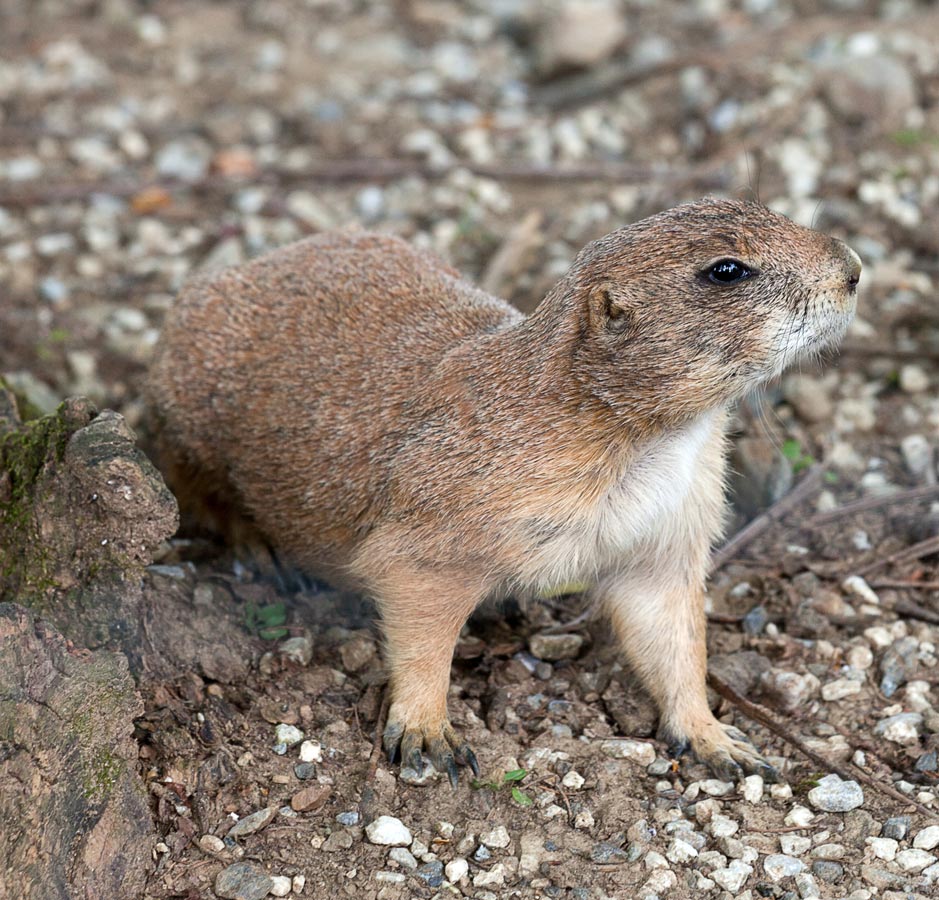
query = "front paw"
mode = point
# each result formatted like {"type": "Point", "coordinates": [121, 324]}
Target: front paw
{"type": "Point", "coordinates": [725, 750]}
{"type": "Point", "coordinates": [441, 742]}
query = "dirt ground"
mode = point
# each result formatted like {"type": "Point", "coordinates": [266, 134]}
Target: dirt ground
{"type": "Point", "coordinates": [141, 142]}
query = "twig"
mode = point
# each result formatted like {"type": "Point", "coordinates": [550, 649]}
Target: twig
{"type": "Point", "coordinates": [915, 611]}
{"type": "Point", "coordinates": [762, 715]}
{"type": "Point", "coordinates": [909, 584]}
{"type": "Point", "coordinates": [867, 503]}
{"type": "Point", "coordinates": [802, 491]}
{"type": "Point", "coordinates": [914, 551]}
{"type": "Point", "coordinates": [368, 792]}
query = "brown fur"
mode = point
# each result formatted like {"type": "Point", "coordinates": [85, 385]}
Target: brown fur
{"type": "Point", "coordinates": [388, 426]}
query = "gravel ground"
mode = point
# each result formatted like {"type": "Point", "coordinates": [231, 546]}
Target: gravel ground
{"type": "Point", "coordinates": [141, 142]}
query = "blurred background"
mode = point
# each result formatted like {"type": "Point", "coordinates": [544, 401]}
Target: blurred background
{"type": "Point", "coordinates": [143, 141]}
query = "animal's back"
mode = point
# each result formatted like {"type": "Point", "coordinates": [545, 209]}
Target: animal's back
{"type": "Point", "coordinates": [292, 376]}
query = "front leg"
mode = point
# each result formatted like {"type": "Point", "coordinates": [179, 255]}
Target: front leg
{"type": "Point", "coordinates": [660, 621]}
{"type": "Point", "coordinates": [422, 614]}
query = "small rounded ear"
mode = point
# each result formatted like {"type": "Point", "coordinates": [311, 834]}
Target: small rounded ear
{"type": "Point", "coordinates": [610, 308]}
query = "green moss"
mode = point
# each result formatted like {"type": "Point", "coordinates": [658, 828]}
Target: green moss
{"type": "Point", "coordinates": [24, 453]}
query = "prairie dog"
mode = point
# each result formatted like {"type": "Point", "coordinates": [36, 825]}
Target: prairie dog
{"type": "Point", "coordinates": [389, 427]}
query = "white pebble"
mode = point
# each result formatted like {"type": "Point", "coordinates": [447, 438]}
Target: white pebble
{"type": "Point", "coordinates": [753, 788]}
{"type": "Point", "coordinates": [858, 587]}
{"type": "Point", "coordinates": [884, 848]}
{"type": "Point", "coordinates": [723, 826]}
{"type": "Point", "coordinates": [311, 751]}
{"type": "Point", "coordinates": [733, 876]}
{"type": "Point", "coordinates": [638, 751]}
{"type": "Point", "coordinates": [497, 838]}
{"type": "Point", "coordinates": [456, 869]}
{"type": "Point", "coordinates": [573, 780]}
{"type": "Point", "coordinates": [403, 857]}
{"type": "Point", "coordinates": [388, 831]}
{"type": "Point", "coordinates": [281, 887]}
{"type": "Point", "coordinates": [778, 866]}
{"type": "Point", "coordinates": [715, 788]}
{"type": "Point", "coordinates": [780, 791]}
{"type": "Point", "coordinates": [298, 883]}
{"type": "Point", "coordinates": [913, 379]}
{"type": "Point", "coordinates": [860, 657]}
{"type": "Point", "coordinates": [794, 844]}
{"type": "Point", "coordinates": [927, 838]}
{"type": "Point", "coordinates": [840, 688]}
{"type": "Point", "coordinates": [680, 851]}
{"type": "Point", "coordinates": [914, 860]}
{"type": "Point", "coordinates": [800, 816]}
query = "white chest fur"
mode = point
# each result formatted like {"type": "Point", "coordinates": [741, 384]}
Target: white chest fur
{"type": "Point", "coordinates": [650, 505]}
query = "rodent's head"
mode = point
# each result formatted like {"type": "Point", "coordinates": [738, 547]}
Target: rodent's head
{"type": "Point", "coordinates": [705, 301]}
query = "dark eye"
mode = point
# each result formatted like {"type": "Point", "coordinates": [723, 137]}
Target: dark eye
{"type": "Point", "coordinates": [727, 271]}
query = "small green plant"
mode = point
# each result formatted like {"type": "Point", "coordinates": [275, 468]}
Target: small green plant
{"type": "Point", "coordinates": [508, 778]}
{"type": "Point", "coordinates": [268, 622]}
{"type": "Point", "coordinates": [793, 451]}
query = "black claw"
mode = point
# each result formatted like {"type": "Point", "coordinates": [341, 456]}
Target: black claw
{"type": "Point", "coordinates": [678, 747]}
{"type": "Point", "coordinates": [415, 761]}
{"type": "Point", "coordinates": [453, 772]}
{"type": "Point", "coordinates": [470, 759]}
{"type": "Point", "coordinates": [391, 741]}
{"type": "Point", "coordinates": [768, 773]}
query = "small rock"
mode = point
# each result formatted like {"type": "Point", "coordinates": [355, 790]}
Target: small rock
{"type": "Point", "coordinates": [840, 688]}
{"type": "Point", "coordinates": [914, 860]}
{"type": "Point", "coordinates": [298, 649]}
{"type": "Point", "coordinates": [794, 844]}
{"type": "Point", "coordinates": [884, 848]}
{"type": "Point", "coordinates": [494, 877]}
{"type": "Point", "coordinates": [789, 690]}
{"type": "Point", "coordinates": [660, 882]}
{"type": "Point", "coordinates": [573, 780]}
{"type": "Point", "coordinates": [722, 826]}
{"type": "Point", "coordinates": [732, 877]}
{"type": "Point", "coordinates": [753, 788]}
{"type": "Point", "coordinates": [604, 852]}
{"type": "Point", "coordinates": [311, 751]}
{"type": "Point", "coordinates": [806, 886]}
{"type": "Point", "coordinates": [298, 883]}
{"type": "Point", "coordinates": [902, 729]}
{"type": "Point", "coordinates": [799, 816]}
{"type": "Point", "coordinates": [211, 844]}
{"type": "Point", "coordinates": [913, 379]}
{"type": "Point", "coordinates": [809, 396]}
{"type": "Point", "coordinates": [287, 736]}
{"type": "Point", "coordinates": [432, 873]}
{"type": "Point", "coordinates": [680, 851]}
{"type": "Point", "coordinates": [348, 818]}
{"type": "Point", "coordinates": [856, 586]}
{"type": "Point", "coordinates": [255, 822]}
{"type": "Point", "coordinates": [716, 788]}
{"type": "Point", "coordinates": [917, 456]}
{"type": "Point", "coordinates": [388, 831]}
{"type": "Point", "coordinates": [403, 857]}
{"type": "Point", "coordinates": [390, 877]}
{"type": "Point", "coordinates": [357, 653]}
{"type": "Point", "coordinates": [829, 851]}
{"type": "Point", "coordinates": [638, 751]}
{"type": "Point", "coordinates": [281, 887]}
{"type": "Point", "coordinates": [778, 866]}
{"type": "Point", "coordinates": [554, 647]}
{"type": "Point", "coordinates": [831, 872]}
{"type": "Point", "coordinates": [337, 842]}
{"type": "Point", "coordinates": [860, 657]}
{"type": "Point", "coordinates": [304, 771]}
{"type": "Point", "coordinates": [497, 839]}
{"type": "Point", "coordinates": [579, 33]}
{"type": "Point", "coordinates": [186, 159]}
{"type": "Point", "coordinates": [927, 838]}
{"type": "Point", "coordinates": [834, 795]}
{"type": "Point", "coordinates": [456, 869]}
{"type": "Point", "coordinates": [897, 663]}
{"type": "Point", "coordinates": [655, 860]}
{"type": "Point", "coordinates": [310, 799]}
{"type": "Point", "coordinates": [243, 881]}
{"type": "Point", "coordinates": [896, 827]}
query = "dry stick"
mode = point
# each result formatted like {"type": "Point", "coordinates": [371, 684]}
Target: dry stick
{"type": "Point", "coordinates": [907, 554]}
{"type": "Point", "coordinates": [868, 503]}
{"type": "Point", "coordinates": [901, 584]}
{"type": "Point", "coordinates": [762, 715]}
{"type": "Point", "coordinates": [915, 611]}
{"type": "Point", "coordinates": [368, 792]}
{"type": "Point", "coordinates": [803, 490]}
